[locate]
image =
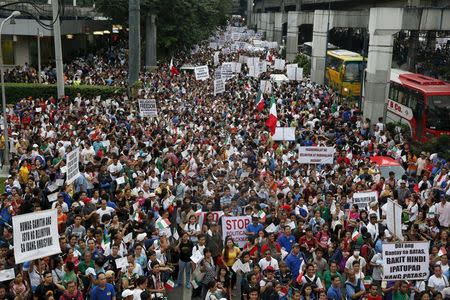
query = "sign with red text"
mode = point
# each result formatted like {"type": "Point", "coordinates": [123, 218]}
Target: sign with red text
{"type": "Point", "coordinates": [399, 109]}
{"type": "Point", "coordinates": [236, 228]}
{"type": "Point", "coordinates": [316, 155]}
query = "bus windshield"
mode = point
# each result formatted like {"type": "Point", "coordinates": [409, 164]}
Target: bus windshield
{"type": "Point", "coordinates": [353, 71]}
{"type": "Point", "coordinates": [438, 112]}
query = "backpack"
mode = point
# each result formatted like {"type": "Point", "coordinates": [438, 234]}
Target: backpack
{"type": "Point", "coordinates": [356, 288]}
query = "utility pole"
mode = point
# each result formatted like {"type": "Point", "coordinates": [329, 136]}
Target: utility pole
{"type": "Point", "coordinates": [134, 41]}
{"type": "Point", "coordinates": [39, 54]}
{"type": "Point", "coordinates": [58, 50]}
{"type": "Point", "coordinates": [150, 40]}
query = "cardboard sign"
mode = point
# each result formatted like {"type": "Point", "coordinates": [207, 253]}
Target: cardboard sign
{"type": "Point", "coordinates": [406, 261]}
{"type": "Point", "coordinates": [201, 72]}
{"type": "Point", "coordinates": [394, 218]}
{"type": "Point", "coordinates": [284, 134]}
{"type": "Point", "coordinates": [227, 70]}
{"type": "Point", "coordinates": [147, 108]}
{"type": "Point", "coordinates": [279, 64]}
{"type": "Point", "coordinates": [316, 155]}
{"type": "Point", "coordinates": [72, 160]}
{"type": "Point", "coordinates": [219, 86]}
{"type": "Point", "coordinates": [236, 228]}
{"type": "Point", "coordinates": [35, 235]}
{"type": "Point", "coordinates": [364, 198]}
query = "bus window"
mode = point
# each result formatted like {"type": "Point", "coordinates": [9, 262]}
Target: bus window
{"type": "Point", "coordinates": [334, 63]}
{"type": "Point", "coordinates": [393, 91]}
{"type": "Point", "coordinates": [352, 71]}
{"type": "Point", "coordinates": [438, 112]}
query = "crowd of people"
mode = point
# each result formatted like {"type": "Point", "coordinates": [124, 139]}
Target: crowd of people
{"type": "Point", "coordinates": [204, 158]}
{"type": "Point", "coordinates": [105, 66]}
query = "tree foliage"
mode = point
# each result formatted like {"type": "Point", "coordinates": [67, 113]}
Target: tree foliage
{"type": "Point", "coordinates": [180, 23]}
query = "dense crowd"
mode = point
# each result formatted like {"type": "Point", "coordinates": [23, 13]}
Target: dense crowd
{"type": "Point", "coordinates": [105, 66]}
{"type": "Point", "coordinates": [204, 158]}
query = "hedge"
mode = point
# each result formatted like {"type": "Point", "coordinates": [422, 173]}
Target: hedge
{"type": "Point", "coordinates": [18, 91]}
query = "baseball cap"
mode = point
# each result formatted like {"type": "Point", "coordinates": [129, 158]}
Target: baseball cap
{"type": "Point", "coordinates": [269, 269]}
{"type": "Point", "coordinates": [127, 293]}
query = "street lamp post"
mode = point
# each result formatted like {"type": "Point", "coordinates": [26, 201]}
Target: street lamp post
{"type": "Point", "coordinates": [2, 77]}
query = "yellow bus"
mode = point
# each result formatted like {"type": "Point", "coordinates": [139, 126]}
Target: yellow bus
{"type": "Point", "coordinates": [343, 72]}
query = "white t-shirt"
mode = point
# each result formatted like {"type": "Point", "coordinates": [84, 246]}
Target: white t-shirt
{"type": "Point", "coordinates": [351, 259]}
{"type": "Point", "coordinates": [107, 211]}
{"type": "Point", "coordinates": [264, 263]}
{"type": "Point", "coordinates": [438, 283]}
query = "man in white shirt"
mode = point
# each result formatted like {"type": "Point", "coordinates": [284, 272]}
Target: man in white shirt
{"type": "Point", "coordinates": [351, 259]}
{"type": "Point", "coordinates": [437, 282]}
{"type": "Point", "coordinates": [267, 261]}
{"type": "Point", "coordinates": [443, 212]}
{"type": "Point", "coordinates": [372, 227]}
{"type": "Point", "coordinates": [104, 209]}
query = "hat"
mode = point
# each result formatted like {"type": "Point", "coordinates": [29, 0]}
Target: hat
{"type": "Point", "coordinates": [269, 269]}
{"type": "Point", "coordinates": [373, 215]}
{"type": "Point", "coordinates": [140, 237]}
{"type": "Point", "coordinates": [423, 153]}
{"type": "Point", "coordinates": [373, 203]}
{"type": "Point", "coordinates": [152, 195]}
{"type": "Point", "coordinates": [401, 181]}
{"type": "Point", "coordinates": [35, 146]}
{"type": "Point", "coordinates": [127, 293]}
{"type": "Point", "coordinates": [296, 245]}
{"type": "Point", "coordinates": [90, 271]}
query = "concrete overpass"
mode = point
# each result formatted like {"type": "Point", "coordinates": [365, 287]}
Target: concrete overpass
{"type": "Point", "coordinates": [382, 23]}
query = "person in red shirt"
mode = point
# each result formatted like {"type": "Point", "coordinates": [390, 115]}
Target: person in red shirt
{"type": "Point", "coordinates": [373, 293]}
{"type": "Point", "coordinates": [272, 245]}
{"type": "Point", "coordinates": [308, 241]}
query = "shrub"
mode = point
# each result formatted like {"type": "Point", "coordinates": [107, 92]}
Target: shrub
{"type": "Point", "coordinates": [303, 62]}
{"type": "Point", "coordinates": [17, 91]}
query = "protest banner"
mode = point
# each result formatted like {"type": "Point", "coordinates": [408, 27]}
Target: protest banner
{"type": "Point", "coordinates": [227, 70]}
{"type": "Point", "coordinates": [72, 160]}
{"type": "Point", "coordinates": [216, 215]}
{"type": "Point", "coordinates": [35, 235]}
{"type": "Point", "coordinates": [394, 218]}
{"type": "Point", "coordinates": [237, 67]}
{"type": "Point", "coordinates": [252, 71]}
{"type": "Point", "coordinates": [262, 66]}
{"type": "Point", "coordinates": [279, 64]}
{"type": "Point", "coordinates": [406, 260]}
{"type": "Point", "coordinates": [316, 155]}
{"type": "Point", "coordinates": [147, 108]}
{"type": "Point", "coordinates": [363, 199]}
{"type": "Point", "coordinates": [293, 72]}
{"type": "Point", "coordinates": [218, 73]}
{"type": "Point", "coordinates": [201, 72]}
{"type": "Point", "coordinates": [236, 228]}
{"type": "Point", "coordinates": [219, 86]}
{"type": "Point", "coordinates": [265, 86]}
{"type": "Point", "coordinates": [284, 134]}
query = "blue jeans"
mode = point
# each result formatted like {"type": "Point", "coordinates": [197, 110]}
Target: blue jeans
{"type": "Point", "coordinates": [182, 266]}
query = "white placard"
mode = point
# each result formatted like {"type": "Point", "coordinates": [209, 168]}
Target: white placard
{"type": "Point", "coordinates": [271, 228]}
{"type": "Point", "coordinates": [201, 72]}
{"type": "Point", "coordinates": [216, 58]}
{"type": "Point", "coordinates": [219, 86]}
{"type": "Point", "coordinates": [252, 71]}
{"type": "Point", "coordinates": [394, 218]}
{"type": "Point", "coordinates": [293, 72]}
{"type": "Point", "coordinates": [7, 274]}
{"type": "Point", "coordinates": [63, 169]}
{"type": "Point", "coordinates": [316, 155]}
{"type": "Point", "coordinates": [236, 228]}
{"type": "Point", "coordinates": [237, 265]}
{"type": "Point", "coordinates": [284, 134]}
{"type": "Point", "coordinates": [227, 70]}
{"type": "Point", "coordinates": [406, 261]}
{"type": "Point", "coordinates": [279, 64]}
{"type": "Point", "coordinates": [197, 257]}
{"type": "Point", "coordinates": [73, 172]}
{"type": "Point", "coordinates": [120, 180]}
{"type": "Point", "coordinates": [59, 182]}
{"type": "Point", "coordinates": [126, 239]}
{"type": "Point", "coordinates": [35, 235]}
{"type": "Point", "coordinates": [147, 108]}
{"type": "Point", "coordinates": [237, 67]}
{"type": "Point", "coordinates": [53, 197]}
{"type": "Point", "coordinates": [38, 109]}
{"type": "Point", "coordinates": [121, 262]}
{"type": "Point", "coordinates": [213, 45]}
{"type": "Point", "coordinates": [363, 199]}
{"type": "Point", "coordinates": [262, 66]}
{"type": "Point", "coordinates": [265, 86]}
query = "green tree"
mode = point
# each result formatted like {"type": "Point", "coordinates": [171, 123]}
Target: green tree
{"type": "Point", "coordinates": [181, 23]}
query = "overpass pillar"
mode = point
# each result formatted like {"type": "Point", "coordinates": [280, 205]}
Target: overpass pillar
{"type": "Point", "coordinates": [270, 26]}
{"type": "Point", "coordinates": [278, 27]}
{"type": "Point", "coordinates": [319, 45]}
{"type": "Point", "coordinates": [249, 13]}
{"type": "Point", "coordinates": [292, 36]}
{"type": "Point", "coordinates": [383, 24]}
